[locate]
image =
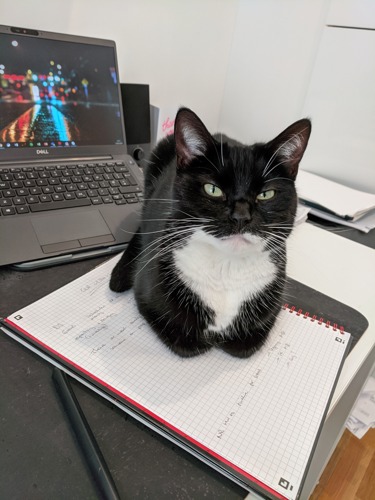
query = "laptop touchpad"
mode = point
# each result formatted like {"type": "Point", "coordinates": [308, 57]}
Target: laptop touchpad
{"type": "Point", "coordinates": [59, 232]}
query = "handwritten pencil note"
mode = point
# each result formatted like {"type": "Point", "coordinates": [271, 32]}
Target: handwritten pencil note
{"type": "Point", "coordinates": [260, 416]}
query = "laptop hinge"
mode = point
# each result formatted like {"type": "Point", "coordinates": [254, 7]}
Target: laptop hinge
{"type": "Point", "coordinates": [60, 160]}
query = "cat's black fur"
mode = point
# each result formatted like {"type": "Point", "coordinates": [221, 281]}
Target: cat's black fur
{"type": "Point", "coordinates": [176, 205]}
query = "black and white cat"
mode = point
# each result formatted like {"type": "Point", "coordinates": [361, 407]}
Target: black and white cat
{"type": "Point", "coordinates": [208, 262]}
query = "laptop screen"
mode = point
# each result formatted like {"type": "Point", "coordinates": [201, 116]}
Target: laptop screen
{"type": "Point", "coordinates": [57, 94]}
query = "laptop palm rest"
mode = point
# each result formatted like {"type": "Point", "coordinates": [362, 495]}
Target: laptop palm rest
{"type": "Point", "coordinates": [61, 232]}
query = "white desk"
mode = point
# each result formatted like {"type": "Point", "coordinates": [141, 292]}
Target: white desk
{"type": "Point", "coordinates": [344, 270]}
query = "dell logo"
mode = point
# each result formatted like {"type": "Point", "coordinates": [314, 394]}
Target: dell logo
{"type": "Point", "coordinates": [42, 152]}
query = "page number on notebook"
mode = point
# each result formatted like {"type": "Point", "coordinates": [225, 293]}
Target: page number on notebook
{"type": "Point", "coordinates": [284, 483]}
{"type": "Point", "coordinates": [18, 317]}
{"type": "Point", "coordinates": [339, 339]}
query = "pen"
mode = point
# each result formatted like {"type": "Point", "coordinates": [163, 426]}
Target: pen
{"type": "Point", "coordinates": [85, 437]}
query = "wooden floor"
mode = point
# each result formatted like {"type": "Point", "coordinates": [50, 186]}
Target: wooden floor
{"type": "Point", "coordinates": [350, 474]}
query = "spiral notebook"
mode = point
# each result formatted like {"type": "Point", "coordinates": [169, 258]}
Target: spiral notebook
{"type": "Point", "coordinates": [256, 420]}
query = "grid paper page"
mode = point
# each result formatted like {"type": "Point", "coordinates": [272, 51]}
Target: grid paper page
{"type": "Point", "coordinates": [261, 414]}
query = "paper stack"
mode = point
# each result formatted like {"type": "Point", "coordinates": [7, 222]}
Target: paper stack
{"type": "Point", "coordinates": [336, 203]}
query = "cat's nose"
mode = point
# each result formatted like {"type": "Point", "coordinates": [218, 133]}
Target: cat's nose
{"type": "Point", "coordinates": [241, 213]}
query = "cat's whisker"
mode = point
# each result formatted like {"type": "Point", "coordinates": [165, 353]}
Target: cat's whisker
{"type": "Point", "coordinates": [279, 226]}
{"type": "Point", "coordinates": [158, 253]}
{"type": "Point", "coordinates": [156, 156]}
{"type": "Point", "coordinates": [214, 145]}
{"type": "Point", "coordinates": [175, 209]}
{"type": "Point", "coordinates": [275, 233]}
{"type": "Point", "coordinates": [270, 161]}
{"type": "Point", "coordinates": [166, 236]}
{"type": "Point", "coordinates": [280, 238]}
{"type": "Point", "coordinates": [274, 239]}
{"type": "Point", "coordinates": [160, 199]}
{"type": "Point", "coordinates": [209, 161]}
{"type": "Point", "coordinates": [128, 232]}
{"type": "Point", "coordinates": [293, 137]}
{"type": "Point", "coordinates": [275, 166]}
{"type": "Point", "coordinates": [148, 261]}
{"type": "Point", "coordinates": [276, 252]}
{"type": "Point", "coordinates": [180, 234]}
{"type": "Point", "coordinates": [279, 223]}
{"type": "Point", "coordinates": [144, 232]}
{"type": "Point", "coordinates": [158, 241]}
{"type": "Point", "coordinates": [221, 149]}
{"type": "Point", "coordinates": [190, 219]}
{"type": "Point", "coordinates": [274, 242]}
{"type": "Point", "coordinates": [200, 219]}
{"type": "Point", "coordinates": [278, 178]}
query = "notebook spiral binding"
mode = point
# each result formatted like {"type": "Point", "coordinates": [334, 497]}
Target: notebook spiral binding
{"type": "Point", "coordinates": [320, 321]}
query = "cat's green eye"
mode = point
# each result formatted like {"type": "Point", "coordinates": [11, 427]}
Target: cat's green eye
{"type": "Point", "coordinates": [266, 195]}
{"type": "Point", "coordinates": [213, 191]}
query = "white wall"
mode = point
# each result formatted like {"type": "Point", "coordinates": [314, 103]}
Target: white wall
{"type": "Point", "coordinates": [181, 48]}
{"type": "Point", "coordinates": [273, 51]}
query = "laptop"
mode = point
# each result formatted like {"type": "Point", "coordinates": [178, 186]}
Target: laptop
{"type": "Point", "coordinates": [68, 189]}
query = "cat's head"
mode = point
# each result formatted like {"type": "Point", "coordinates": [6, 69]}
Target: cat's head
{"type": "Point", "coordinates": [239, 191]}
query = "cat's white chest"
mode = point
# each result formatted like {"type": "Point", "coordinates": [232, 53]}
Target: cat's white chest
{"type": "Point", "coordinates": [224, 273]}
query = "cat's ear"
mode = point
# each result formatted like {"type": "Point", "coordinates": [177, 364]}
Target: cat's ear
{"type": "Point", "coordinates": [289, 146]}
{"type": "Point", "coordinates": [191, 137]}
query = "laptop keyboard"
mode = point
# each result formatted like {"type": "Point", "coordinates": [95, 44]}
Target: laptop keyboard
{"type": "Point", "coordinates": [41, 188]}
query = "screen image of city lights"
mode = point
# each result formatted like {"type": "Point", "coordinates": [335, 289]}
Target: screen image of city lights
{"type": "Point", "coordinates": [57, 94]}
